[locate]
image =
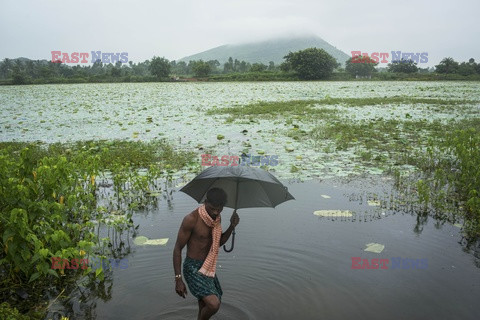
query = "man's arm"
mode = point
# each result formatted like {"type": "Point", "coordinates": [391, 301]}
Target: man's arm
{"type": "Point", "coordinates": [234, 220]}
{"type": "Point", "coordinates": [183, 236]}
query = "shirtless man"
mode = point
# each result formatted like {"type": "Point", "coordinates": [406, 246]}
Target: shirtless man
{"type": "Point", "coordinates": [196, 232]}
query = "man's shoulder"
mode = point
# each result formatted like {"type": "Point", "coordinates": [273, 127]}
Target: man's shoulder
{"type": "Point", "coordinates": [191, 219]}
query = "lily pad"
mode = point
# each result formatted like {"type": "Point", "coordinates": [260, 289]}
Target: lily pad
{"type": "Point", "coordinates": [289, 149]}
{"type": "Point", "coordinates": [143, 241]}
{"type": "Point", "coordinates": [140, 240]}
{"type": "Point", "coordinates": [220, 136]}
{"type": "Point", "coordinates": [333, 213]}
{"type": "Point", "coordinates": [374, 247]}
{"type": "Point", "coordinates": [373, 203]}
{"type": "Point", "coordinates": [157, 242]}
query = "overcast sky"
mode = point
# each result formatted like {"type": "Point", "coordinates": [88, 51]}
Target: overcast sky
{"type": "Point", "coordinates": [174, 29]}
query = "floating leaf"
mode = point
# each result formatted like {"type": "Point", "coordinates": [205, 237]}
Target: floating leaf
{"type": "Point", "coordinates": [157, 242]}
{"type": "Point", "coordinates": [374, 247]}
{"type": "Point", "coordinates": [220, 136]}
{"type": "Point", "coordinates": [373, 203]}
{"type": "Point", "coordinates": [143, 241]}
{"type": "Point", "coordinates": [140, 240]}
{"type": "Point", "coordinates": [325, 196]}
{"type": "Point", "coordinates": [333, 213]}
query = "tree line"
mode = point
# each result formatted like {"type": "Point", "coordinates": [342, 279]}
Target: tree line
{"type": "Point", "coordinates": [22, 71]}
{"type": "Point", "coordinates": [366, 66]}
{"type": "Point", "coordinates": [307, 64]}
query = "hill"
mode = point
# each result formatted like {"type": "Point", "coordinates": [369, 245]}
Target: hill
{"type": "Point", "coordinates": [266, 51]}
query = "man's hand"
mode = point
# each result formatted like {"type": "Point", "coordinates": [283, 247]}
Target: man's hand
{"type": "Point", "coordinates": [180, 288]}
{"type": "Point", "coordinates": [234, 220]}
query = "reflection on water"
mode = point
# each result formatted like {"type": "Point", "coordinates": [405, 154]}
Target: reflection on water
{"type": "Point", "coordinates": [288, 263]}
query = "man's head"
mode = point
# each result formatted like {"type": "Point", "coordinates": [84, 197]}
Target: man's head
{"type": "Point", "coordinates": [215, 200]}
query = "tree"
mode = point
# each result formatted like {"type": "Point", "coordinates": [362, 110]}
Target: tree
{"type": "Point", "coordinates": [18, 76]}
{"type": "Point", "coordinates": [285, 66]}
{"type": "Point", "coordinates": [6, 68]}
{"type": "Point", "coordinates": [258, 67]}
{"type": "Point", "coordinates": [236, 65]}
{"type": "Point", "coordinates": [201, 68]}
{"type": "Point", "coordinates": [447, 65]}
{"type": "Point", "coordinates": [364, 67]}
{"type": "Point", "coordinates": [271, 66]}
{"type": "Point", "coordinates": [405, 66]}
{"type": "Point", "coordinates": [116, 72]}
{"type": "Point", "coordinates": [244, 66]}
{"type": "Point", "coordinates": [214, 64]}
{"type": "Point", "coordinates": [312, 63]}
{"type": "Point", "coordinates": [467, 68]}
{"type": "Point", "coordinates": [159, 67]}
{"type": "Point", "coordinates": [228, 66]}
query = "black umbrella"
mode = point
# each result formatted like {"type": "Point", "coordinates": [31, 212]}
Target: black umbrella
{"type": "Point", "coordinates": [246, 187]}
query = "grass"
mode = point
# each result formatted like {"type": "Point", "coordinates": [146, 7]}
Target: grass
{"type": "Point", "coordinates": [269, 108]}
{"type": "Point", "coordinates": [378, 134]}
{"type": "Point", "coordinates": [311, 107]}
{"type": "Point", "coordinates": [134, 154]}
{"type": "Point", "coordinates": [446, 155]}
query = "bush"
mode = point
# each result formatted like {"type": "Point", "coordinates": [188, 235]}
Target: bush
{"type": "Point", "coordinates": [9, 313]}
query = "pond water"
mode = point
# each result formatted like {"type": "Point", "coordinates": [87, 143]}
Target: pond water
{"type": "Point", "coordinates": [290, 264]}
{"type": "Point", "coordinates": [287, 263]}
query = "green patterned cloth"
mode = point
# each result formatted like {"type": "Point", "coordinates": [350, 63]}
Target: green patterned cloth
{"type": "Point", "coordinates": [200, 285]}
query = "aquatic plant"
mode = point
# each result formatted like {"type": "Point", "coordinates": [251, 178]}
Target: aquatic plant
{"type": "Point", "coordinates": [53, 203]}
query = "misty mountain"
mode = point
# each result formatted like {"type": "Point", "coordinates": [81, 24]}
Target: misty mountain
{"type": "Point", "coordinates": [266, 51]}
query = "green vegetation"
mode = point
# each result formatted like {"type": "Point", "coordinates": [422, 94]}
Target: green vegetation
{"type": "Point", "coordinates": [308, 107]}
{"type": "Point", "coordinates": [447, 65]}
{"type": "Point", "coordinates": [160, 67]}
{"type": "Point", "coordinates": [49, 206]}
{"type": "Point", "coordinates": [310, 64]}
{"type": "Point", "coordinates": [448, 180]}
{"type": "Point", "coordinates": [201, 69]}
{"type": "Point", "coordinates": [446, 154]}
{"type": "Point", "coordinates": [403, 66]}
{"type": "Point", "coordinates": [267, 108]}
{"type": "Point", "coordinates": [9, 313]}
{"type": "Point", "coordinates": [361, 66]}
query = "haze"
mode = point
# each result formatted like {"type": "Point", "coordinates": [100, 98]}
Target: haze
{"type": "Point", "coordinates": [174, 29]}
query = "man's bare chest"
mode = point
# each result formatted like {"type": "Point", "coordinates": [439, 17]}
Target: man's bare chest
{"type": "Point", "coordinates": [202, 233]}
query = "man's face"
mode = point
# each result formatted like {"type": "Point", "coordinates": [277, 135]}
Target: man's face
{"type": "Point", "coordinates": [213, 211]}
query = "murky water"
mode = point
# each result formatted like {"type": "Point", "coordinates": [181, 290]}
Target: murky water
{"type": "Point", "coordinates": [290, 264]}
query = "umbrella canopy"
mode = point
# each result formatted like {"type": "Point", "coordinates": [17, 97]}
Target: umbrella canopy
{"type": "Point", "coordinates": [246, 187]}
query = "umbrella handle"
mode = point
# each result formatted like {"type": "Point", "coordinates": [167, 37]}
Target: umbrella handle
{"type": "Point", "coordinates": [233, 241]}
